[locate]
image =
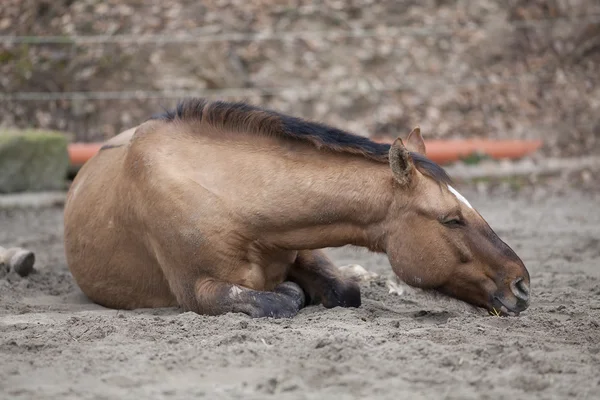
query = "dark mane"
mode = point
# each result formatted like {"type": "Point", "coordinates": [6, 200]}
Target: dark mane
{"type": "Point", "coordinates": [238, 116]}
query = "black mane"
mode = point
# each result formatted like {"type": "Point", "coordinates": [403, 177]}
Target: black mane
{"type": "Point", "coordinates": [246, 117]}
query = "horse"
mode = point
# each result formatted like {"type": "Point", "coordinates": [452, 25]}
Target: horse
{"type": "Point", "coordinates": [217, 207]}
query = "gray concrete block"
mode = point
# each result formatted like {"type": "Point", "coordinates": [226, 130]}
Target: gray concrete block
{"type": "Point", "coordinates": [32, 160]}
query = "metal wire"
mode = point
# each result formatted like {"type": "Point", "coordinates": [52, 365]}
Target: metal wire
{"type": "Point", "coordinates": [419, 82]}
{"type": "Point", "coordinates": [276, 36]}
{"type": "Point", "coordinates": [423, 81]}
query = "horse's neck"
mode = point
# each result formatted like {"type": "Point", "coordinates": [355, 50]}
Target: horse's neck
{"type": "Point", "coordinates": [292, 194]}
{"type": "Point", "coordinates": [333, 201]}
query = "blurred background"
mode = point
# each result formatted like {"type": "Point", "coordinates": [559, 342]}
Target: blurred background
{"type": "Point", "coordinates": [461, 69]}
{"type": "Point", "coordinates": [498, 69]}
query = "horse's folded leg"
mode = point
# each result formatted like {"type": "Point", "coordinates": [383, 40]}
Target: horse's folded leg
{"type": "Point", "coordinates": [216, 297]}
{"type": "Point", "coordinates": [323, 282]}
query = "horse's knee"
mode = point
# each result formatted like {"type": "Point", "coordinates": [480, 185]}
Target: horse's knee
{"type": "Point", "coordinates": [217, 297]}
{"type": "Point", "coordinates": [342, 293]}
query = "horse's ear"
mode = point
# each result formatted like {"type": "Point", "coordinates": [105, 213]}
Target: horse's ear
{"type": "Point", "coordinates": [414, 141]}
{"type": "Point", "coordinates": [401, 162]}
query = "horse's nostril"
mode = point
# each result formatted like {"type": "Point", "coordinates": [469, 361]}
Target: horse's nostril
{"type": "Point", "coordinates": [523, 286]}
{"type": "Point", "coordinates": [520, 289]}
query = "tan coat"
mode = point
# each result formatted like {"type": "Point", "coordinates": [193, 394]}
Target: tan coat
{"type": "Point", "coordinates": [223, 207]}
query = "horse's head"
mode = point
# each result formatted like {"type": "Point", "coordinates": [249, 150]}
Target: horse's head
{"type": "Point", "coordinates": [437, 240]}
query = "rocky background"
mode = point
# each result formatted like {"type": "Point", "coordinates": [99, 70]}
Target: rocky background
{"type": "Point", "coordinates": [459, 68]}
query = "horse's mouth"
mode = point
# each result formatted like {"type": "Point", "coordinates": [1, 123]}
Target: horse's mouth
{"type": "Point", "coordinates": [500, 309]}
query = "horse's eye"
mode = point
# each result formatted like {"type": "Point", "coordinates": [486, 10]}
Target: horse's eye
{"type": "Point", "coordinates": [453, 222]}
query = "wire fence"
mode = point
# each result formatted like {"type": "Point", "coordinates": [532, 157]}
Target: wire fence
{"type": "Point", "coordinates": [380, 32]}
{"type": "Point", "coordinates": [374, 87]}
{"type": "Point", "coordinates": [423, 82]}
{"type": "Point", "coordinates": [386, 31]}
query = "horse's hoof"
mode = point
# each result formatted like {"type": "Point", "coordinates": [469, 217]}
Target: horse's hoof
{"type": "Point", "coordinates": [342, 294]}
{"type": "Point", "coordinates": [19, 260]}
{"type": "Point", "coordinates": [284, 302]}
{"type": "Point", "coordinates": [293, 292]}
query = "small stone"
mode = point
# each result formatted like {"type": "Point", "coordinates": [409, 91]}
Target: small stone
{"type": "Point", "coordinates": [586, 176]}
{"type": "Point", "coordinates": [19, 260]}
{"type": "Point", "coordinates": [22, 262]}
{"type": "Point", "coordinates": [358, 272]}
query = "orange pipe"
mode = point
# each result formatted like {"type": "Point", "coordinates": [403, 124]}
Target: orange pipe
{"type": "Point", "coordinates": [446, 151]}
{"type": "Point", "coordinates": [79, 153]}
{"type": "Point", "coordinates": [440, 151]}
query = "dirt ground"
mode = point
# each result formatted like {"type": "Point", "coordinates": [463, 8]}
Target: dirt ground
{"type": "Point", "coordinates": [55, 344]}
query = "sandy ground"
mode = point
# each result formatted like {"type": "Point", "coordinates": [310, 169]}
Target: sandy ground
{"type": "Point", "coordinates": [55, 344]}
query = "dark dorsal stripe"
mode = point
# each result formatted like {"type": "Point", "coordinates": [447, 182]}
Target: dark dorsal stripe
{"type": "Point", "coordinates": [110, 146]}
{"type": "Point", "coordinates": [238, 116]}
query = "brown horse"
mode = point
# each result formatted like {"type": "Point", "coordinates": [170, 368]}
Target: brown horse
{"type": "Point", "coordinates": [222, 207]}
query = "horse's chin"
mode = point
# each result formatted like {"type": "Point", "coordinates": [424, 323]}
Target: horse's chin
{"type": "Point", "coordinates": [500, 309]}
{"type": "Point", "coordinates": [457, 303]}
{"type": "Point", "coordinates": [495, 306]}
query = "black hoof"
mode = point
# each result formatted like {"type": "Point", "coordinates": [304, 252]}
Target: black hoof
{"type": "Point", "coordinates": [292, 291]}
{"type": "Point", "coordinates": [342, 294]}
{"type": "Point", "coordinates": [285, 302]}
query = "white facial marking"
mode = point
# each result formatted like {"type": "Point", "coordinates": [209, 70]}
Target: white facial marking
{"type": "Point", "coordinates": [459, 196]}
